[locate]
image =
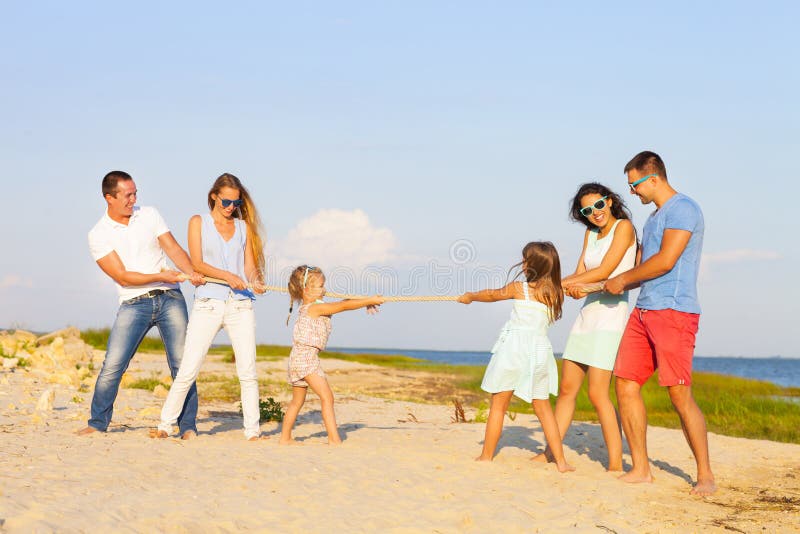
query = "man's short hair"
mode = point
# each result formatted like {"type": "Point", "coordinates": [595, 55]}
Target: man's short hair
{"type": "Point", "coordinates": [647, 162]}
{"type": "Point", "coordinates": [111, 180]}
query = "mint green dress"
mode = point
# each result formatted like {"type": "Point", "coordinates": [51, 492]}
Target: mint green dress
{"type": "Point", "coordinates": [522, 358]}
{"type": "Point", "coordinates": [595, 336]}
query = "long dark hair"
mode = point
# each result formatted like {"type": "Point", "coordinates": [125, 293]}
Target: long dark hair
{"type": "Point", "coordinates": [618, 208]}
{"type": "Point", "coordinates": [540, 265]}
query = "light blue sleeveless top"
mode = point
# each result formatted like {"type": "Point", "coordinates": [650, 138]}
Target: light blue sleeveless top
{"type": "Point", "coordinates": [225, 255]}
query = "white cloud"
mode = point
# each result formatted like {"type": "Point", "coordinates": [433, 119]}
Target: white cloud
{"type": "Point", "coordinates": [334, 238]}
{"type": "Point", "coordinates": [15, 280]}
{"type": "Point", "coordinates": [738, 255]}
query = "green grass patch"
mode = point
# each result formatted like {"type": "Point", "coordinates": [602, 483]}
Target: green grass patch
{"type": "Point", "coordinates": [269, 410]}
{"type": "Point", "coordinates": [225, 388]}
{"type": "Point", "coordinates": [482, 412]}
{"type": "Point", "coordinates": [396, 361]}
{"type": "Point", "coordinates": [146, 383]}
{"type": "Point", "coordinates": [213, 387]}
{"type": "Point", "coordinates": [732, 406]}
{"type": "Point", "coordinates": [399, 361]}
{"type": "Point", "coordinates": [98, 338]}
{"type": "Point", "coordinates": [264, 353]}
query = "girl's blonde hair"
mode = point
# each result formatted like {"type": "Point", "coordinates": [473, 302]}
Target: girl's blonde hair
{"type": "Point", "coordinates": [540, 265]}
{"type": "Point", "coordinates": [297, 284]}
{"type": "Point", "coordinates": [248, 213]}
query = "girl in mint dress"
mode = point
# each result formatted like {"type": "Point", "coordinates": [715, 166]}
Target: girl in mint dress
{"type": "Point", "coordinates": [522, 361]}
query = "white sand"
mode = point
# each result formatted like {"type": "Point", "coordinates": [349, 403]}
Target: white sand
{"type": "Point", "coordinates": [391, 473]}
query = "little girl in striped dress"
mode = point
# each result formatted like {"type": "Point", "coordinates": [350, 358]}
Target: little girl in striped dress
{"type": "Point", "coordinates": [310, 335]}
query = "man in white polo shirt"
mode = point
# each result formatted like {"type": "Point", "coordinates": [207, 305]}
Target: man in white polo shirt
{"type": "Point", "coordinates": [131, 245]}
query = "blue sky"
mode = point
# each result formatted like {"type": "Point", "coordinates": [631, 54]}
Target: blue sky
{"type": "Point", "coordinates": [377, 133]}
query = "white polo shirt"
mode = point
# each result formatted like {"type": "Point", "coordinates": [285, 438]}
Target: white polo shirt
{"type": "Point", "coordinates": [136, 244]}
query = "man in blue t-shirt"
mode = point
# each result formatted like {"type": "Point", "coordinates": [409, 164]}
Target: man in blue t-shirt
{"type": "Point", "coordinates": [661, 329]}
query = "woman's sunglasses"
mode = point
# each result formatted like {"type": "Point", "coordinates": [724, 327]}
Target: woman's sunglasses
{"type": "Point", "coordinates": [227, 202]}
{"type": "Point", "coordinates": [598, 205]}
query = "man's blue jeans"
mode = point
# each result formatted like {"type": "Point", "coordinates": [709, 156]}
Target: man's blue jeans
{"type": "Point", "coordinates": [135, 317]}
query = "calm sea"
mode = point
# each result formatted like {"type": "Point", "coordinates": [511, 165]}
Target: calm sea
{"type": "Point", "coordinates": [781, 371]}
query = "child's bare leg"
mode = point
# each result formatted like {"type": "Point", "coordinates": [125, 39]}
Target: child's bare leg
{"type": "Point", "coordinates": [494, 424]}
{"type": "Point", "coordinates": [599, 382]}
{"type": "Point", "coordinates": [323, 390]}
{"type": "Point", "coordinates": [571, 380]}
{"type": "Point", "coordinates": [543, 410]}
{"type": "Point", "coordinates": [298, 398]}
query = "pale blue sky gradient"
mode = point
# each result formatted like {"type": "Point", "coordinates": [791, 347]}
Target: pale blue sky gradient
{"type": "Point", "coordinates": [439, 120]}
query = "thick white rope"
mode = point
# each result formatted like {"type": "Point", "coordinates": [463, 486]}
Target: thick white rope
{"type": "Point", "coordinates": [284, 289]}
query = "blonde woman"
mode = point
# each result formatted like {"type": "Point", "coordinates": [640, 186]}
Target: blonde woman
{"type": "Point", "coordinates": [224, 243]}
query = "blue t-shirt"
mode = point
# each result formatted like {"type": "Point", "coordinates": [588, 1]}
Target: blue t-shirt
{"type": "Point", "coordinates": [676, 289]}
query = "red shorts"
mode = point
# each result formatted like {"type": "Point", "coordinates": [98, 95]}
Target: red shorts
{"type": "Point", "coordinates": [658, 339]}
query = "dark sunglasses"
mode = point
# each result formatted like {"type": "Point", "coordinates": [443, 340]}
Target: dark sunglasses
{"type": "Point", "coordinates": [226, 202]}
{"type": "Point", "coordinates": [598, 205]}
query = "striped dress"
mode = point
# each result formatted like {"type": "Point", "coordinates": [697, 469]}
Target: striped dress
{"type": "Point", "coordinates": [310, 335]}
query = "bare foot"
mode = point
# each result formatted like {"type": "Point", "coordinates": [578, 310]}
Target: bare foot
{"type": "Point", "coordinates": [189, 434]}
{"type": "Point", "coordinates": [257, 438]}
{"type": "Point", "coordinates": [544, 457]}
{"type": "Point", "coordinates": [482, 459]}
{"type": "Point", "coordinates": [632, 477]}
{"type": "Point", "coordinates": [289, 442]}
{"type": "Point", "coordinates": [335, 443]}
{"type": "Point", "coordinates": [86, 431]}
{"type": "Point", "coordinates": [156, 433]}
{"type": "Point", "coordinates": [704, 488]}
{"type": "Point", "coordinates": [564, 467]}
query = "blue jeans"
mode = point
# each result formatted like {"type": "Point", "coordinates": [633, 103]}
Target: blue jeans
{"type": "Point", "coordinates": [135, 317]}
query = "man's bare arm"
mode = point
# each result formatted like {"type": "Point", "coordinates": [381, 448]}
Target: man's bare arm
{"type": "Point", "coordinates": [673, 243]}
{"type": "Point", "coordinates": [112, 265]}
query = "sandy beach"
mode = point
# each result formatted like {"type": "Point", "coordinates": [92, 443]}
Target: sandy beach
{"type": "Point", "coordinates": [403, 467]}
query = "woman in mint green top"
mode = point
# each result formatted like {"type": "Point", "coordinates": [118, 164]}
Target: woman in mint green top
{"type": "Point", "coordinates": [609, 247]}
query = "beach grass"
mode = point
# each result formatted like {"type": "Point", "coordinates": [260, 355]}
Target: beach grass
{"type": "Point", "coordinates": [264, 353]}
{"type": "Point", "coordinates": [225, 388]}
{"type": "Point", "coordinates": [732, 406]}
{"type": "Point", "coordinates": [146, 383]}
{"type": "Point", "coordinates": [98, 338]}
